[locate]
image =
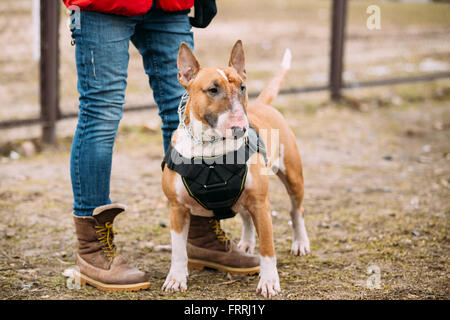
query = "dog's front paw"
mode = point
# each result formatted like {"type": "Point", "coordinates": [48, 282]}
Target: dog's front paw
{"type": "Point", "coordinates": [300, 247]}
{"type": "Point", "coordinates": [269, 282]}
{"type": "Point", "coordinates": [268, 287]}
{"type": "Point", "coordinates": [175, 281]}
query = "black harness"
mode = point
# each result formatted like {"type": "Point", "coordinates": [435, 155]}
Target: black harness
{"type": "Point", "coordinates": [216, 183]}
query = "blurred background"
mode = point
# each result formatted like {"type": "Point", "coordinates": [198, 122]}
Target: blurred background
{"type": "Point", "coordinates": [413, 40]}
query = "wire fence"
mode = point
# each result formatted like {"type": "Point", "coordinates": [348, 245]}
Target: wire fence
{"type": "Point", "coordinates": [336, 45]}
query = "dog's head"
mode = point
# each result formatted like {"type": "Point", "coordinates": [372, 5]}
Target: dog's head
{"type": "Point", "coordinates": [217, 96]}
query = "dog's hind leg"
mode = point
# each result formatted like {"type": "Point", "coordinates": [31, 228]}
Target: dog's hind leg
{"type": "Point", "coordinates": [247, 242]}
{"type": "Point", "coordinates": [300, 241]}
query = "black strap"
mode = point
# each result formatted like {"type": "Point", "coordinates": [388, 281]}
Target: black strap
{"type": "Point", "coordinates": [216, 183]}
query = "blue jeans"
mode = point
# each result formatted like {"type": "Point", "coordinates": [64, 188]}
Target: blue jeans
{"type": "Point", "coordinates": [102, 44]}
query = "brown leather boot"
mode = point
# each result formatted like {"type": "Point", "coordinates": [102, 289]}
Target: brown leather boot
{"type": "Point", "coordinates": [209, 247]}
{"type": "Point", "coordinates": [99, 264]}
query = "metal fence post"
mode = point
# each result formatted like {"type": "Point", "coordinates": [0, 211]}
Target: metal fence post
{"type": "Point", "coordinates": [49, 63]}
{"type": "Point", "coordinates": [337, 47]}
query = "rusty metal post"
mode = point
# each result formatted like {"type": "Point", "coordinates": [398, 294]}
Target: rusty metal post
{"type": "Point", "coordinates": [49, 63]}
{"type": "Point", "coordinates": [337, 47]}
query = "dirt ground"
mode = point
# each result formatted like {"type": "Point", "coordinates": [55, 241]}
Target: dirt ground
{"type": "Point", "coordinates": [376, 194]}
{"type": "Point", "coordinates": [376, 167]}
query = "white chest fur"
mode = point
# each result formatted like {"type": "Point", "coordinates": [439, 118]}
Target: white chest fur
{"type": "Point", "coordinates": [185, 146]}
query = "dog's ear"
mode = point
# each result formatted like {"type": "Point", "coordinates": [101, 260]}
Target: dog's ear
{"type": "Point", "coordinates": [188, 66]}
{"type": "Point", "coordinates": [237, 59]}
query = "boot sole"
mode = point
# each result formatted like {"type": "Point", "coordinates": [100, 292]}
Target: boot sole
{"type": "Point", "coordinates": [194, 264]}
{"type": "Point", "coordinates": [84, 279]}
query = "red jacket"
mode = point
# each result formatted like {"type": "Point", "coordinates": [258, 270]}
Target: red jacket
{"type": "Point", "coordinates": [129, 7]}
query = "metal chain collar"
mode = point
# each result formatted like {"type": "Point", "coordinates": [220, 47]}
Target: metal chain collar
{"type": "Point", "coordinates": [188, 129]}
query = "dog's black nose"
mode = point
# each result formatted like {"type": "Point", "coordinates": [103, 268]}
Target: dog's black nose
{"type": "Point", "coordinates": [238, 132]}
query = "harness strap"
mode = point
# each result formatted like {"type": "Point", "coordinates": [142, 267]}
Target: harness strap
{"type": "Point", "coordinates": [216, 183]}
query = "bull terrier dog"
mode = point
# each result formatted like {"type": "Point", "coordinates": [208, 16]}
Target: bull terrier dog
{"type": "Point", "coordinates": [216, 119]}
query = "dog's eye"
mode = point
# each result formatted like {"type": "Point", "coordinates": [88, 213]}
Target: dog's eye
{"type": "Point", "coordinates": [213, 90]}
{"type": "Point", "coordinates": [243, 88]}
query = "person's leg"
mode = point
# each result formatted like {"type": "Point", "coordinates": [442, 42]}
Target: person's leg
{"type": "Point", "coordinates": [101, 53]}
{"type": "Point", "coordinates": [158, 39]}
{"type": "Point", "coordinates": [102, 44]}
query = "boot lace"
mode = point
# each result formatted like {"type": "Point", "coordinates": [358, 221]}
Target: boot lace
{"type": "Point", "coordinates": [106, 236]}
{"type": "Point", "coordinates": [218, 230]}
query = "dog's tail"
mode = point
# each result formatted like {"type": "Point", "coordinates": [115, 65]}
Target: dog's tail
{"type": "Point", "coordinates": [271, 91]}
